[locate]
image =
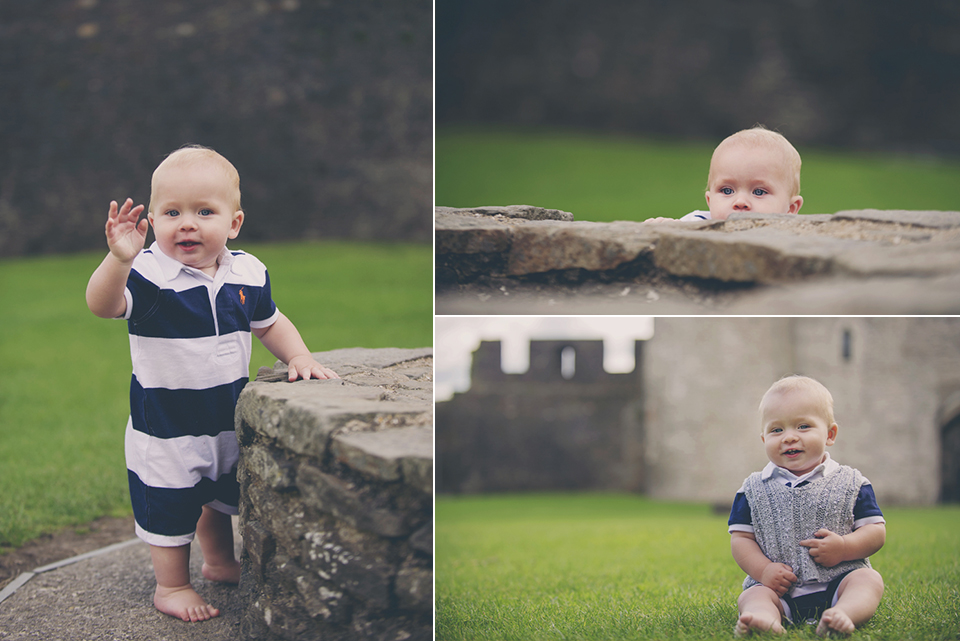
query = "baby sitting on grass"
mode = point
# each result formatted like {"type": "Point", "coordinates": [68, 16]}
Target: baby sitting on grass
{"type": "Point", "coordinates": [803, 527]}
{"type": "Point", "coordinates": [754, 170]}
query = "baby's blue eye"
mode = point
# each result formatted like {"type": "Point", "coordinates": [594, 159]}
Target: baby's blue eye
{"type": "Point", "coordinates": [759, 192]}
{"type": "Point", "coordinates": [206, 212]}
{"type": "Point", "coordinates": [173, 212]}
{"type": "Point", "coordinates": [726, 191]}
{"type": "Point", "coordinates": [804, 426]}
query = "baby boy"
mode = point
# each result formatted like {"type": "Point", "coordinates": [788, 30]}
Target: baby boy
{"type": "Point", "coordinates": [803, 527]}
{"type": "Point", "coordinates": [190, 305]}
{"type": "Point", "coordinates": [754, 170]}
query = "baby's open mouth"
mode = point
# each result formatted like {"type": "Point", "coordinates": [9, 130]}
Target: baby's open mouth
{"type": "Point", "coordinates": [188, 243]}
{"type": "Point", "coordinates": [792, 452]}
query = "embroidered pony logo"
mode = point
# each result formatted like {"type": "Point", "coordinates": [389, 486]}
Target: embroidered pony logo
{"type": "Point", "coordinates": [243, 299]}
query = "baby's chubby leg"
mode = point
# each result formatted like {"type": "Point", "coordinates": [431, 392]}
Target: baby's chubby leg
{"type": "Point", "coordinates": [174, 595]}
{"type": "Point", "coordinates": [215, 535]}
{"type": "Point", "coordinates": [857, 599]}
{"type": "Point", "coordinates": [760, 611]}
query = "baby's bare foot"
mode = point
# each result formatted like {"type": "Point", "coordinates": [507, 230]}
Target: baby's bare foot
{"type": "Point", "coordinates": [835, 620]}
{"type": "Point", "coordinates": [184, 603]}
{"type": "Point", "coordinates": [229, 573]}
{"type": "Point", "coordinates": [749, 622]}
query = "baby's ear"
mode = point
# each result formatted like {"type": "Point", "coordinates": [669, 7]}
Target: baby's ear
{"type": "Point", "coordinates": [832, 433]}
{"type": "Point", "coordinates": [795, 204]}
{"type": "Point", "coordinates": [236, 223]}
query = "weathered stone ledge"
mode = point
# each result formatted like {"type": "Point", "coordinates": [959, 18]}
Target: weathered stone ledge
{"type": "Point", "coordinates": [336, 499]}
{"type": "Point", "coordinates": [745, 251]}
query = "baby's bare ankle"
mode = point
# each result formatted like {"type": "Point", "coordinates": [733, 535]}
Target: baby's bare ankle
{"type": "Point", "coordinates": [226, 572]}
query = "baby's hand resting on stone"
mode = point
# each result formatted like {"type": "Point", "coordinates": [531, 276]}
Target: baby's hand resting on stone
{"type": "Point", "coordinates": [306, 367]}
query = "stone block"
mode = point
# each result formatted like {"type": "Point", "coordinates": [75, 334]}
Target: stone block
{"type": "Point", "coordinates": [331, 495]}
{"type": "Point", "coordinates": [258, 544]}
{"type": "Point", "coordinates": [546, 246]}
{"type": "Point", "coordinates": [387, 454]}
{"type": "Point", "coordinates": [913, 259]}
{"type": "Point", "coordinates": [936, 219]}
{"type": "Point", "coordinates": [754, 255]}
{"type": "Point", "coordinates": [415, 588]}
{"type": "Point", "coordinates": [320, 600]}
{"type": "Point", "coordinates": [458, 234]}
{"type": "Point", "coordinates": [359, 565]}
{"type": "Point", "coordinates": [422, 540]}
{"type": "Point", "coordinates": [526, 212]}
{"type": "Point", "coordinates": [308, 418]}
{"type": "Point", "coordinates": [274, 469]}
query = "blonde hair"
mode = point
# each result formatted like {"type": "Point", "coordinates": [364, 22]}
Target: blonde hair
{"type": "Point", "coordinates": [796, 383]}
{"type": "Point", "coordinates": [760, 136]}
{"type": "Point", "coordinates": [195, 154]}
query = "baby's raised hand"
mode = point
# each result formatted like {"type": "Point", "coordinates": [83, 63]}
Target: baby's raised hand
{"type": "Point", "coordinates": [827, 549]}
{"type": "Point", "coordinates": [125, 236]}
{"type": "Point", "coordinates": [306, 367]}
{"type": "Point", "coordinates": [778, 577]}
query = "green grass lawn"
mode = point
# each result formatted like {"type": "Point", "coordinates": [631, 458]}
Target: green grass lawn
{"type": "Point", "coordinates": [604, 177]}
{"type": "Point", "coordinates": [613, 566]}
{"type": "Point", "coordinates": [65, 374]}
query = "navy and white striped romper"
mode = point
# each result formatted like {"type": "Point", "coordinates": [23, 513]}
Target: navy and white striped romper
{"type": "Point", "coordinates": [190, 345]}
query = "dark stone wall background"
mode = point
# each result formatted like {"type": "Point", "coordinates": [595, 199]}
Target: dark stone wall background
{"type": "Point", "coordinates": [324, 107]}
{"type": "Point", "coordinates": [867, 74]}
{"type": "Point", "coordinates": [538, 431]}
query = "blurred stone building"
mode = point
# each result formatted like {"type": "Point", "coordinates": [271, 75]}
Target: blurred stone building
{"type": "Point", "coordinates": [684, 424]}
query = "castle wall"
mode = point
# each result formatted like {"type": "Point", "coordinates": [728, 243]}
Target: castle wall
{"type": "Point", "coordinates": [888, 394]}
{"type": "Point", "coordinates": [539, 430]}
{"type": "Point", "coordinates": [704, 380]}
{"type": "Point", "coordinates": [892, 380]}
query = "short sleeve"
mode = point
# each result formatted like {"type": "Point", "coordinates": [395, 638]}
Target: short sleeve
{"type": "Point", "coordinates": [266, 312]}
{"type": "Point", "coordinates": [141, 295]}
{"type": "Point", "coordinates": [741, 519]}
{"type": "Point", "coordinates": [866, 510]}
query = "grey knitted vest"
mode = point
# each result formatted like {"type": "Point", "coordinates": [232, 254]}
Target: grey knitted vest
{"type": "Point", "coordinates": [784, 516]}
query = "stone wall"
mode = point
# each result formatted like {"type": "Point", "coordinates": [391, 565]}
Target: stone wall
{"type": "Point", "coordinates": [893, 381]}
{"type": "Point", "coordinates": [545, 429]}
{"type": "Point", "coordinates": [325, 108]}
{"type": "Point", "coordinates": [336, 507]}
{"type": "Point", "coordinates": [860, 73]}
{"type": "Point", "coordinates": [530, 260]}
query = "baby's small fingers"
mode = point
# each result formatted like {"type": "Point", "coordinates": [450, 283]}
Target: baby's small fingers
{"type": "Point", "coordinates": [323, 373]}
